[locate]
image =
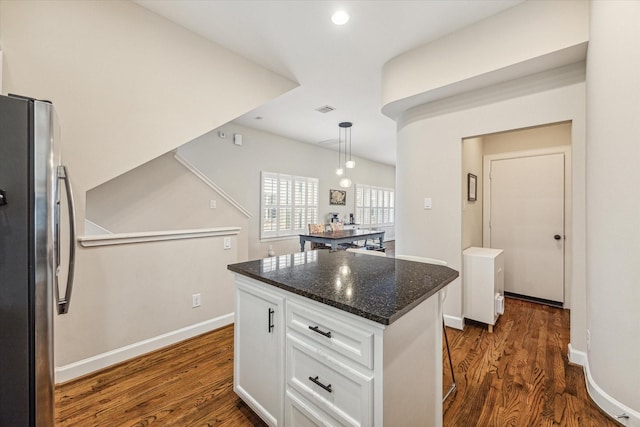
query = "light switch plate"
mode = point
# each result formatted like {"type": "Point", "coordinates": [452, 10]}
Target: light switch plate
{"type": "Point", "coordinates": [427, 202]}
{"type": "Point", "coordinates": [227, 242]}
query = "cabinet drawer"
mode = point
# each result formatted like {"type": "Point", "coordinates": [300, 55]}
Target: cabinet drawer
{"type": "Point", "coordinates": [332, 386]}
{"type": "Point", "coordinates": [333, 333]}
{"type": "Point", "coordinates": [300, 413]}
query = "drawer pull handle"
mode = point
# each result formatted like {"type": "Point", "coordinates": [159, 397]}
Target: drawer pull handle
{"type": "Point", "coordinates": [270, 321]}
{"type": "Point", "coordinates": [316, 382]}
{"type": "Point", "coordinates": [317, 329]}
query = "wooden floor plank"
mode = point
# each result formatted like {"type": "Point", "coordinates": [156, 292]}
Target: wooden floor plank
{"type": "Point", "coordinates": [519, 375]}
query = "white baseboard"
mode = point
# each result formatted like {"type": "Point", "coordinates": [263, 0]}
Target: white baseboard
{"type": "Point", "coordinates": [576, 356]}
{"type": "Point", "coordinates": [86, 366]}
{"type": "Point", "coordinates": [608, 404]}
{"type": "Point", "coordinates": [454, 322]}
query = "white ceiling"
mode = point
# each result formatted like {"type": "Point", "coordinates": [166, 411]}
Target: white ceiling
{"type": "Point", "coordinates": [334, 65]}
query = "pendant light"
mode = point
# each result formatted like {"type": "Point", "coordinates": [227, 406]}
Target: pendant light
{"type": "Point", "coordinates": [346, 126]}
{"type": "Point", "coordinates": [350, 164]}
{"type": "Point", "coordinates": [345, 182]}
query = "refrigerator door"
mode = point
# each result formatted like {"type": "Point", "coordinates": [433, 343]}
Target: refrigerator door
{"type": "Point", "coordinates": [15, 275]}
{"type": "Point", "coordinates": [29, 263]}
{"type": "Point", "coordinates": [26, 265]}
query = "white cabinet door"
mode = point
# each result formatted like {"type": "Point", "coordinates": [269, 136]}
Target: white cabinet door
{"type": "Point", "coordinates": [259, 352]}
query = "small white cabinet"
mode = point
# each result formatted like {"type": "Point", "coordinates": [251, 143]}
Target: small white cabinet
{"type": "Point", "coordinates": [258, 376]}
{"type": "Point", "coordinates": [483, 282]}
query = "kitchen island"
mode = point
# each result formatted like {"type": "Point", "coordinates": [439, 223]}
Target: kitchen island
{"type": "Point", "coordinates": [337, 338]}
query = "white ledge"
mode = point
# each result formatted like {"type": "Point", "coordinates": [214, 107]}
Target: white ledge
{"type": "Point", "coordinates": [154, 236]}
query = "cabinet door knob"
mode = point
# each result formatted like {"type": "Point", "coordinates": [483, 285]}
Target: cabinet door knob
{"type": "Point", "coordinates": [557, 237]}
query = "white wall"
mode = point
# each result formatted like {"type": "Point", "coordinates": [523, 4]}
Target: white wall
{"type": "Point", "coordinates": [531, 37]}
{"type": "Point", "coordinates": [137, 293]}
{"type": "Point", "coordinates": [472, 149]}
{"type": "Point", "coordinates": [613, 234]}
{"type": "Point", "coordinates": [129, 86]}
{"type": "Point", "coordinates": [162, 195]}
{"type": "Point", "coordinates": [429, 165]}
{"type": "Point", "coordinates": [237, 170]}
{"type": "Point", "coordinates": [487, 97]}
{"type": "Point", "coordinates": [552, 136]}
{"type": "Point", "coordinates": [605, 154]}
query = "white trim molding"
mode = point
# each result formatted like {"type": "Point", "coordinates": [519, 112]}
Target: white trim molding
{"type": "Point", "coordinates": [86, 366]}
{"type": "Point", "coordinates": [204, 178]}
{"type": "Point", "coordinates": [454, 322]}
{"type": "Point", "coordinates": [615, 409]}
{"type": "Point", "coordinates": [154, 236]}
{"type": "Point", "coordinates": [577, 357]}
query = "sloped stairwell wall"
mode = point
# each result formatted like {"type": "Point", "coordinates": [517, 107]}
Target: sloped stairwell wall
{"type": "Point", "coordinates": [128, 87]}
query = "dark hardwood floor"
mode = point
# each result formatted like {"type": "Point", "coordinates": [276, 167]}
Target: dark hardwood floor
{"type": "Point", "coordinates": [517, 376]}
{"type": "Point", "coordinates": [187, 384]}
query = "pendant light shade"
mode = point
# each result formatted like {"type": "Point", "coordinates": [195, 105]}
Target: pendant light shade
{"type": "Point", "coordinates": [345, 182]}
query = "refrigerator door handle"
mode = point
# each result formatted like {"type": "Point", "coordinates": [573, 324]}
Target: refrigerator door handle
{"type": "Point", "coordinates": [63, 303]}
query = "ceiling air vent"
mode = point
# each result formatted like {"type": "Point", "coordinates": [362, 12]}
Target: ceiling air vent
{"type": "Point", "coordinates": [325, 109]}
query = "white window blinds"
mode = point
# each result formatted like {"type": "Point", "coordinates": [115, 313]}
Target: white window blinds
{"type": "Point", "coordinates": [374, 205]}
{"type": "Point", "coordinates": [289, 203]}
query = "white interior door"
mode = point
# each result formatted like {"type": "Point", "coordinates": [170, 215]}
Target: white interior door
{"type": "Point", "coordinates": [527, 221]}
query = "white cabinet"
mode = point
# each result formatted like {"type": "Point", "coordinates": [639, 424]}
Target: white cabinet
{"type": "Point", "coordinates": [483, 281]}
{"type": "Point", "coordinates": [341, 369]}
{"type": "Point", "coordinates": [258, 376]}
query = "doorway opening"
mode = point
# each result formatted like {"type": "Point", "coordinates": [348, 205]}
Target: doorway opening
{"type": "Point", "coordinates": [523, 206]}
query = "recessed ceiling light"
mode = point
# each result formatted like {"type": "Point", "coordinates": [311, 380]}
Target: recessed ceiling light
{"type": "Point", "coordinates": [340, 17]}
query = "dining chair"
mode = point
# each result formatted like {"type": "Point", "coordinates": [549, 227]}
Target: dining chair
{"type": "Point", "coordinates": [337, 226]}
{"type": "Point", "coordinates": [315, 229]}
{"type": "Point", "coordinates": [444, 329]}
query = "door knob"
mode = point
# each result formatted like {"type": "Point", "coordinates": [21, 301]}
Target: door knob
{"type": "Point", "coordinates": [557, 237]}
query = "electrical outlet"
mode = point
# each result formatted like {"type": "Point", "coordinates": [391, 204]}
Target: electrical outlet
{"type": "Point", "coordinates": [195, 300]}
{"type": "Point", "coordinates": [588, 340]}
{"type": "Point", "coordinates": [227, 243]}
{"type": "Point", "coordinates": [212, 204]}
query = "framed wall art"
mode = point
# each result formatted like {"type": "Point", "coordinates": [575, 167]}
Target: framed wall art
{"type": "Point", "coordinates": [472, 187]}
{"type": "Point", "coordinates": [337, 197]}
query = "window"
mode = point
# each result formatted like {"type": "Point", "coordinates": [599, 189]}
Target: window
{"type": "Point", "coordinates": [289, 203]}
{"type": "Point", "coordinates": [374, 205]}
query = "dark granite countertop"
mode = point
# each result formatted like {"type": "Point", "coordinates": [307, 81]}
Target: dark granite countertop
{"type": "Point", "coordinates": [381, 289]}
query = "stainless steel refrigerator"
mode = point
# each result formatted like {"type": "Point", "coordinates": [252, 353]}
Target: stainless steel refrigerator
{"type": "Point", "coordinates": [31, 179]}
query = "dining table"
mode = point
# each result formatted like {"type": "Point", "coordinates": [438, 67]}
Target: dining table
{"type": "Point", "coordinates": [337, 237]}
